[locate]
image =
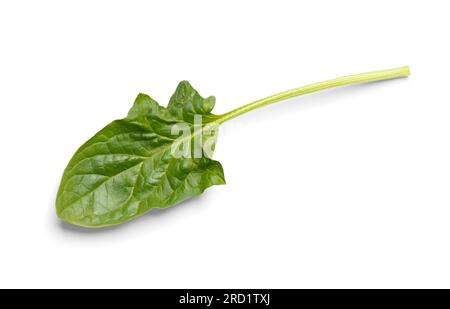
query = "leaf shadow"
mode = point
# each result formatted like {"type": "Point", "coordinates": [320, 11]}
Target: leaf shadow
{"type": "Point", "coordinates": [147, 219]}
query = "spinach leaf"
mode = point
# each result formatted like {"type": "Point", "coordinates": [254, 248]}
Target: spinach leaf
{"type": "Point", "coordinates": [159, 156]}
{"type": "Point", "coordinates": [129, 167]}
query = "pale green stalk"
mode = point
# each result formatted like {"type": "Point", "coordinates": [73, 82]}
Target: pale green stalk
{"type": "Point", "coordinates": [340, 81]}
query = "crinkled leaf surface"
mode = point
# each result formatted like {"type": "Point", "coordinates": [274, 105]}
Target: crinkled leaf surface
{"type": "Point", "coordinates": [128, 168]}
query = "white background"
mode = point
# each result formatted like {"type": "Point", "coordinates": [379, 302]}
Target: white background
{"type": "Point", "coordinates": [347, 188]}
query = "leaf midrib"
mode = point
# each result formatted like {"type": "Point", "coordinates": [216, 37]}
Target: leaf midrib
{"type": "Point", "coordinates": [160, 150]}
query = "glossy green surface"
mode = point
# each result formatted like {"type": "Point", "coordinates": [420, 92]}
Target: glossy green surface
{"type": "Point", "coordinates": [128, 168]}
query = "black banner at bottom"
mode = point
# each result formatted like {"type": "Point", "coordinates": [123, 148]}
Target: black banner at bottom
{"type": "Point", "coordinates": [221, 298]}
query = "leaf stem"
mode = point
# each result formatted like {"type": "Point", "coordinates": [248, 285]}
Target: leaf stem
{"type": "Point", "coordinates": [337, 82]}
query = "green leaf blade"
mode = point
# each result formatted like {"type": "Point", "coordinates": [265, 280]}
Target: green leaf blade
{"type": "Point", "coordinates": [129, 168]}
